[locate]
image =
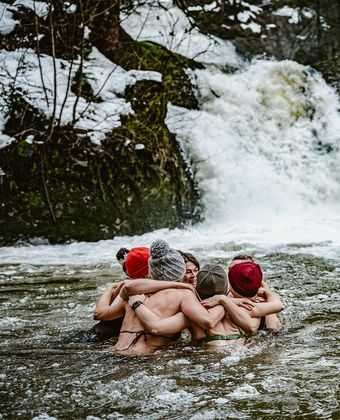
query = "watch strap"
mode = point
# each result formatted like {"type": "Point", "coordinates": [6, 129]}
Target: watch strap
{"type": "Point", "coordinates": [135, 305]}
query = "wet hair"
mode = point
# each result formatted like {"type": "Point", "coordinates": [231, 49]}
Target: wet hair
{"type": "Point", "coordinates": [122, 253]}
{"type": "Point", "coordinates": [243, 257]}
{"type": "Point", "coordinates": [190, 258]}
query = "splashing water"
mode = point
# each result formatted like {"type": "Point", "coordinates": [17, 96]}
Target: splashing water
{"type": "Point", "coordinates": [265, 143]}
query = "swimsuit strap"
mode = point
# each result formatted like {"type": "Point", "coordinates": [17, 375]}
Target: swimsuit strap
{"type": "Point", "coordinates": [144, 333]}
{"type": "Point", "coordinates": [208, 338]}
{"type": "Point", "coordinates": [139, 334]}
{"type": "Point", "coordinates": [198, 296]}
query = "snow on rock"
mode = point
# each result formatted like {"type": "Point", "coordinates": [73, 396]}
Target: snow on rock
{"type": "Point", "coordinates": [19, 71]}
{"type": "Point", "coordinates": [293, 14]}
{"type": "Point", "coordinates": [5, 141]}
{"type": "Point", "coordinates": [169, 26]}
{"type": "Point", "coordinates": [7, 23]}
{"type": "Point", "coordinates": [40, 8]}
{"type": "Point", "coordinates": [254, 27]}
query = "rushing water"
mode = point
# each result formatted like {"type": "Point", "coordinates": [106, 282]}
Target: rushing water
{"type": "Point", "coordinates": [46, 373]}
{"type": "Point", "coordinates": [265, 150]}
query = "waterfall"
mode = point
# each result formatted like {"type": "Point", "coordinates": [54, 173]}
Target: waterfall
{"type": "Point", "coordinates": [265, 143]}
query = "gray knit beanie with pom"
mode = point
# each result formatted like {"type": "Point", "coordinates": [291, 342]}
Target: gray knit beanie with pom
{"type": "Point", "coordinates": [165, 263]}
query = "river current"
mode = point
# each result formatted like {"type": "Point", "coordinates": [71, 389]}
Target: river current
{"type": "Point", "coordinates": [264, 148]}
{"type": "Point", "coordinates": [47, 297]}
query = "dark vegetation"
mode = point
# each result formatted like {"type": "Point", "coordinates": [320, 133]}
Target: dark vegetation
{"type": "Point", "coordinates": [61, 186]}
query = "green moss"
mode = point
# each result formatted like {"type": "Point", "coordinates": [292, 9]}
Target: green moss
{"type": "Point", "coordinates": [34, 199]}
{"type": "Point", "coordinates": [65, 189]}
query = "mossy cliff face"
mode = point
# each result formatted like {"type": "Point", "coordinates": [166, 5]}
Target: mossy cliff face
{"type": "Point", "coordinates": [67, 188]}
{"type": "Point", "coordinates": [60, 186]}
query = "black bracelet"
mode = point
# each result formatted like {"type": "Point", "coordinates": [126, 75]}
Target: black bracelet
{"type": "Point", "coordinates": [135, 305]}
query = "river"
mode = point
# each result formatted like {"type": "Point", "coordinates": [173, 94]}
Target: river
{"type": "Point", "coordinates": [264, 149]}
{"type": "Point", "coordinates": [47, 296]}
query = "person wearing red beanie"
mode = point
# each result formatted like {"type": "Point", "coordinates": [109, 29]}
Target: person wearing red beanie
{"type": "Point", "coordinates": [136, 263]}
{"type": "Point", "coordinates": [245, 278]}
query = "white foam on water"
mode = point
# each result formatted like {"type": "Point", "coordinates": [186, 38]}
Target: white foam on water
{"type": "Point", "coordinates": [244, 391]}
{"type": "Point", "coordinates": [265, 150]}
{"type": "Point", "coordinates": [259, 142]}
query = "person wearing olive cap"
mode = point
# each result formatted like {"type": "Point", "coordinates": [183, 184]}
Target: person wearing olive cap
{"type": "Point", "coordinates": [211, 280]}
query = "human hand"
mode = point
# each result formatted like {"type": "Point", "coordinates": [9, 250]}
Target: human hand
{"type": "Point", "coordinates": [114, 289]}
{"type": "Point", "coordinates": [243, 303]}
{"type": "Point", "coordinates": [261, 295]}
{"type": "Point", "coordinates": [265, 285]}
{"type": "Point", "coordinates": [135, 298]}
{"type": "Point", "coordinates": [111, 286]}
{"type": "Point", "coordinates": [212, 301]}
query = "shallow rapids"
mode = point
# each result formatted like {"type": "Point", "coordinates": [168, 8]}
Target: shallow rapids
{"type": "Point", "coordinates": [47, 372]}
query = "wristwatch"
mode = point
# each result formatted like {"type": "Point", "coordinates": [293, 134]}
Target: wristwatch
{"type": "Point", "coordinates": [135, 305]}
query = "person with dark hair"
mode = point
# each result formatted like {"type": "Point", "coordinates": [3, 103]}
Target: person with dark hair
{"type": "Point", "coordinates": [246, 280]}
{"type": "Point", "coordinates": [192, 267]}
{"type": "Point", "coordinates": [135, 265]}
{"type": "Point", "coordinates": [121, 257]}
{"type": "Point", "coordinates": [211, 280]}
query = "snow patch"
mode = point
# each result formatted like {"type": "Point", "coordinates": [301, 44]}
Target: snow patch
{"type": "Point", "coordinates": [40, 8]}
{"type": "Point", "coordinates": [7, 23]}
{"type": "Point", "coordinates": [169, 26]}
{"type": "Point", "coordinates": [19, 72]}
{"type": "Point", "coordinates": [293, 14]}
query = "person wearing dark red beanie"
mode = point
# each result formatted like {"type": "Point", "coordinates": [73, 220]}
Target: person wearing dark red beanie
{"type": "Point", "coordinates": [246, 281]}
{"type": "Point", "coordinates": [245, 278]}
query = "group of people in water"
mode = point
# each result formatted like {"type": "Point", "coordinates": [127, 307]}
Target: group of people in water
{"type": "Point", "coordinates": [166, 291]}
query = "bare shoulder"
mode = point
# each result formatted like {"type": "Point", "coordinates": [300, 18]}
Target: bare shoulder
{"type": "Point", "coordinates": [175, 292]}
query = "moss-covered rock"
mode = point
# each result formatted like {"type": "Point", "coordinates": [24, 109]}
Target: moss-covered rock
{"type": "Point", "coordinates": [61, 186]}
{"type": "Point", "coordinates": [68, 188]}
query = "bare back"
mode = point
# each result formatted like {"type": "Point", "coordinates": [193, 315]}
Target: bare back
{"type": "Point", "coordinates": [133, 338]}
{"type": "Point", "coordinates": [225, 328]}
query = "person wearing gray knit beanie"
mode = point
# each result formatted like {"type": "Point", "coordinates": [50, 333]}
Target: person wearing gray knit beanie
{"type": "Point", "coordinates": [165, 263]}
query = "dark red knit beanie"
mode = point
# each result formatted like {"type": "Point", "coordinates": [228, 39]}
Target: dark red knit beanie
{"type": "Point", "coordinates": [245, 278]}
{"type": "Point", "coordinates": [136, 262]}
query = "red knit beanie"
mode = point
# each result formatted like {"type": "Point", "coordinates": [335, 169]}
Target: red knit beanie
{"type": "Point", "coordinates": [136, 262]}
{"type": "Point", "coordinates": [245, 278]}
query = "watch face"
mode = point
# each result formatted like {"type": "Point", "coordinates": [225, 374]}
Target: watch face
{"type": "Point", "coordinates": [136, 304]}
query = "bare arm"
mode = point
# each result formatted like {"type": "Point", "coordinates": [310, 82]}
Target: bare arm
{"type": "Point", "coordinates": [109, 306]}
{"type": "Point", "coordinates": [192, 309]}
{"type": "Point", "coordinates": [271, 305]}
{"type": "Point", "coordinates": [240, 315]}
{"type": "Point", "coordinates": [147, 286]}
{"type": "Point", "coordinates": [273, 323]}
{"type": "Point", "coordinates": [154, 323]}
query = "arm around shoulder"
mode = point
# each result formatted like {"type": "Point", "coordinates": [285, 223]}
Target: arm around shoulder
{"type": "Point", "coordinates": [196, 313]}
{"type": "Point", "coordinates": [106, 309]}
{"type": "Point", "coordinates": [138, 286]}
{"type": "Point", "coordinates": [272, 305]}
